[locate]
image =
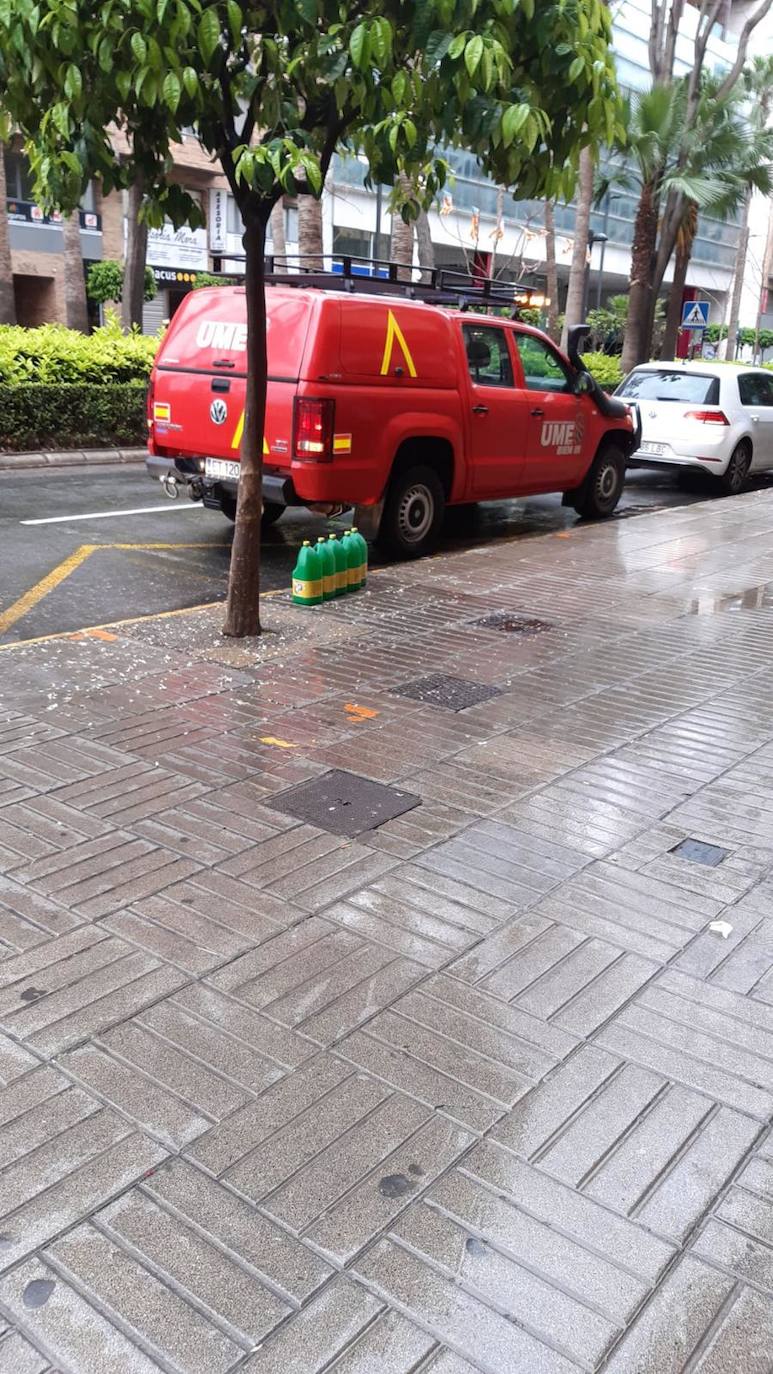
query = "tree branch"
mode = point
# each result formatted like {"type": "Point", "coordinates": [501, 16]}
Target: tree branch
{"type": "Point", "coordinates": [743, 44]}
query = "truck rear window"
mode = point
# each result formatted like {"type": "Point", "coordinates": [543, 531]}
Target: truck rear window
{"type": "Point", "coordinates": [693, 388]}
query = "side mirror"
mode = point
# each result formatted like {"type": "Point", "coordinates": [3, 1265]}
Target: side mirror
{"type": "Point", "coordinates": [584, 384]}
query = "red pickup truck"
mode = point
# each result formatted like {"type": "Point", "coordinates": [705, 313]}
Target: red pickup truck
{"type": "Point", "coordinates": [381, 402]}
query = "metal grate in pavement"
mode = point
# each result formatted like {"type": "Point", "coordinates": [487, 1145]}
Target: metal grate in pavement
{"type": "Point", "coordinates": [452, 693]}
{"type": "Point", "coordinates": [344, 803]}
{"type": "Point", "coordinates": [698, 852]}
{"type": "Point", "coordinates": [513, 623]}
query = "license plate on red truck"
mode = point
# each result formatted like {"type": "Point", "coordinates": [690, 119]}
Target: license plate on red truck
{"type": "Point", "coordinates": [221, 470]}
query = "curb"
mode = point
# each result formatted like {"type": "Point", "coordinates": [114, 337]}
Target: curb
{"type": "Point", "coordinates": [17, 462]}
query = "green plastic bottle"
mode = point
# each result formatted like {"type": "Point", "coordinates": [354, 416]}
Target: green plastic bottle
{"type": "Point", "coordinates": [353, 561]}
{"type": "Point", "coordinates": [363, 551]}
{"type": "Point", "coordinates": [342, 564]}
{"type": "Point", "coordinates": [307, 577]}
{"type": "Point", "coordinates": [328, 561]}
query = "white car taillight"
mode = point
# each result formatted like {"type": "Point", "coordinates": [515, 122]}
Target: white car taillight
{"type": "Point", "coordinates": [707, 417]}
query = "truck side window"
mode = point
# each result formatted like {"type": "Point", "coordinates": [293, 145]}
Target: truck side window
{"type": "Point", "coordinates": [487, 355]}
{"type": "Point", "coordinates": [543, 370]}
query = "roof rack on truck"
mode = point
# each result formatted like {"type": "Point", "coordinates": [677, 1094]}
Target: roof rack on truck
{"type": "Point", "coordinates": [380, 276]}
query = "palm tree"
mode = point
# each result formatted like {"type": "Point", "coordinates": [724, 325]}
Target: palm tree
{"type": "Point", "coordinates": [551, 269]}
{"type": "Point", "coordinates": [75, 302]}
{"type": "Point", "coordinates": [758, 83]}
{"type": "Point", "coordinates": [7, 300]}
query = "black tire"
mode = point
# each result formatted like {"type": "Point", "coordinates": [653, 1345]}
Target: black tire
{"type": "Point", "coordinates": [413, 513]}
{"type": "Point", "coordinates": [599, 494]}
{"type": "Point", "coordinates": [271, 511]}
{"type": "Point", "coordinates": [733, 479]}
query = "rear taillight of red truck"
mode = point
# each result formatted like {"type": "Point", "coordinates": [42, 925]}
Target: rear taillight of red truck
{"type": "Point", "coordinates": [313, 429]}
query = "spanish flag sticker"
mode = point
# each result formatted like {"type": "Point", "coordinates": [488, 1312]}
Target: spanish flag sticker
{"type": "Point", "coordinates": [342, 443]}
{"type": "Point", "coordinates": [162, 411]}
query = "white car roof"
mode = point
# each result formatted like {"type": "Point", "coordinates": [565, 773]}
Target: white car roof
{"type": "Point", "coordinates": [705, 368]}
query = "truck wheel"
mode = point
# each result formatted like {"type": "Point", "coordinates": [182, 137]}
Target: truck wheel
{"type": "Point", "coordinates": [271, 510]}
{"type": "Point", "coordinates": [413, 513]}
{"type": "Point", "coordinates": [600, 492]}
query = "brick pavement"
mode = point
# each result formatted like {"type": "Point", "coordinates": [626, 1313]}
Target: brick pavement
{"type": "Point", "coordinates": [479, 1090]}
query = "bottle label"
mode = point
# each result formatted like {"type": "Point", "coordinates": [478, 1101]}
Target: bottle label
{"type": "Point", "coordinates": [308, 591]}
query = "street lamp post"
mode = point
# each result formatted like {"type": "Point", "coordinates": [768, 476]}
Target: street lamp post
{"type": "Point", "coordinates": [593, 238]}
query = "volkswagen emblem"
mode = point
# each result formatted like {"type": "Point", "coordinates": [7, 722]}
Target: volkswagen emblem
{"type": "Point", "coordinates": [653, 414]}
{"type": "Point", "coordinates": [218, 412]}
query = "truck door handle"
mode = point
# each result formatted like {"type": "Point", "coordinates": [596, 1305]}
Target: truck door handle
{"type": "Point", "coordinates": [480, 410]}
{"type": "Point", "coordinates": [221, 383]}
{"type": "Point", "coordinates": [537, 411]}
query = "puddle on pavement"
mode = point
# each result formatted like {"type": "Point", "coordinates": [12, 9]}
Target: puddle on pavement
{"type": "Point", "coordinates": [752, 599]}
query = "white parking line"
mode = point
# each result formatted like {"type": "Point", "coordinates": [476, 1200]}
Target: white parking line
{"type": "Point", "coordinates": [109, 514]}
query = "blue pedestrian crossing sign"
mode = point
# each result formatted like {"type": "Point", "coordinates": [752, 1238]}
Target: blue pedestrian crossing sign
{"type": "Point", "coordinates": [695, 315]}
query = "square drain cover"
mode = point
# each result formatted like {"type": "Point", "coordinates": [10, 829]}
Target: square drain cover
{"type": "Point", "coordinates": [343, 803]}
{"type": "Point", "coordinates": [698, 852]}
{"type": "Point", "coordinates": [453, 693]}
{"type": "Point", "coordinates": [512, 623]}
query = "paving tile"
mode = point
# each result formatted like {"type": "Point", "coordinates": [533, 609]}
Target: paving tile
{"type": "Point", "coordinates": [477, 1259]}
{"type": "Point", "coordinates": [454, 1048]}
{"type": "Point", "coordinates": [240, 1140]}
{"type": "Point", "coordinates": [438, 1303]}
{"type": "Point", "coordinates": [238, 1043]}
{"type": "Point", "coordinates": [161, 1321]}
{"type": "Point", "coordinates": [75, 1333]}
{"type": "Point", "coordinates": [27, 919]}
{"type": "Point", "coordinates": [622, 1243]}
{"type": "Point", "coordinates": [102, 875]}
{"type": "Point", "coordinates": [76, 1186]}
{"type": "Point", "coordinates": [673, 1325]}
{"type": "Point", "coordinates": [346, 1329]}
{"type": "Point", "coordinates": [198, 1268]}
{"type": "Point", "coordinates": [213, 910]}
{"type": "Point", "coordinates": [233, 1224]}
{"type": "Point", "coordinates": [19, 1357]}
{"type": "Point", "coordinates": [351, 1191]}
{"type": "Point", "coordinates": [14, 1061]}
{"type": "Point", "coordinates": [40, 1108]}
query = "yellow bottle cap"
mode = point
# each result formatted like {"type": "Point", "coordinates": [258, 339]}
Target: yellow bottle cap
{"type": "Point", "coordinates": [332, 536]}
{"type": "Point", "coordinates": [306, 544]}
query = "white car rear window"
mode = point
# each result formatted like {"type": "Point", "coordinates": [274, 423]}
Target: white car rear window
{"type": "Point", "coordinates": [694, 388]}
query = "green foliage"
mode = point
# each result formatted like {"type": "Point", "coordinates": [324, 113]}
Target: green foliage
{"type": "Point", "coordinates": [104, 282]}
{"type": "Point", "coordinates": [605, 368]}
{"type": "Point", "coordinates": [212, 279]}
{"type": "Point", "coordinates": [72, 416]}
{"type": "Point", "coordinates": [52, 354]}
{"type": "Point", "coordinates": [523, 85]}
{"type": "Point", "coordinates": [530, 314]}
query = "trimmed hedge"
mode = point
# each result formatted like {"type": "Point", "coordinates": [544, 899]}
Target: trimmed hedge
{"type": "Point", "coordinates": [52, 354]}
{"type": "Point", "coordinates": [72, 416]}
{"type": "Point", "coordinates": [605, 367]}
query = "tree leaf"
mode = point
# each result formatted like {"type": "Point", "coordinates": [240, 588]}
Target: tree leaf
{"type": "Point", "coordinates": [513, 120]}
{"type": "Point", "coordinates": [359, 46]}
{"type": "Point", "coordinates": [235, 22]}
{"type": "Point", "coordinates": [171, 90]}
{"type": "Point", "coordinates": [473, 53]}
{"type": "Point", "coordinates": [577, 68]}
{"type": "Point", "coordinates": [191, 81]}
{"type": "Point", "coordinates": [208, 34]}
{"type": "Point", "coordinates": [139, 48]}
{"type": "Point", "coordinates": [438, 45]}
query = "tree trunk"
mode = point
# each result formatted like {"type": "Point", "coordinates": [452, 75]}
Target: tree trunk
{"type": "Point", "coordinates": [575, 298]}
{"type": "Point", "coordinates": [740, 268]}
{"type": "Point", "coordinates": [278, 240]}
{"type": "Point", "coordinates": [638, 326]}
{"type": "Point", "coordinates": [7, 299]}
{"type": "Point", "coordinates": [425, 246]}
{"type": "Point", "coordinates": [401, 244]}
{"type": "Point", "coordinates": [551, 269]}
{"type": "Point", "coordinates": [75, 303]}
{"type": "Point", "coordinates": [674, 311]}
{"type": "Point", "coordinates": [242, 614]}
{"type": "Point", "coordinates": [310, 241]}
{"type": "Point", "coordinates": [133, 294]}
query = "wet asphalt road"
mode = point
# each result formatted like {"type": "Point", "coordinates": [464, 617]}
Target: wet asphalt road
{"type": "Point", "coordinates": [151, 560]}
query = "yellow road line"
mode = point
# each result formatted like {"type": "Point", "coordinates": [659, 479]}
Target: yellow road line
{"type": "Point", "coordinates": [35, 594]}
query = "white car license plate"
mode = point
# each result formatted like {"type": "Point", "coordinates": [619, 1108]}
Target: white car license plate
{"type": "Point", "coordinates": [221, 469]}
{"type": "Point", "coordinates": [657, 449]}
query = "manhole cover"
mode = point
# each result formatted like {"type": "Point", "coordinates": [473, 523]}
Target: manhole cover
{"type": "Point", "coordinates": [453, 693]}
{"type": "Point", "coordinates": [511, 623]}
{"type": "Point", "coordinates": [698, 852]}
{"type": "Point", "coordinates": [344, 803]}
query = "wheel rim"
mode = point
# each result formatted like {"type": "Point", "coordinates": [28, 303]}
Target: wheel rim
{"type": "Point", "coordinates": [416, 513]}
{"type": "Point", "coordinates": [606, 482]}
{"type": "Point", "coordinates": [737, 469]}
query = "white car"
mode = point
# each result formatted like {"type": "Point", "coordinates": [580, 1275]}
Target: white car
{"type": "Point", "coordinates": [714, 416]}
